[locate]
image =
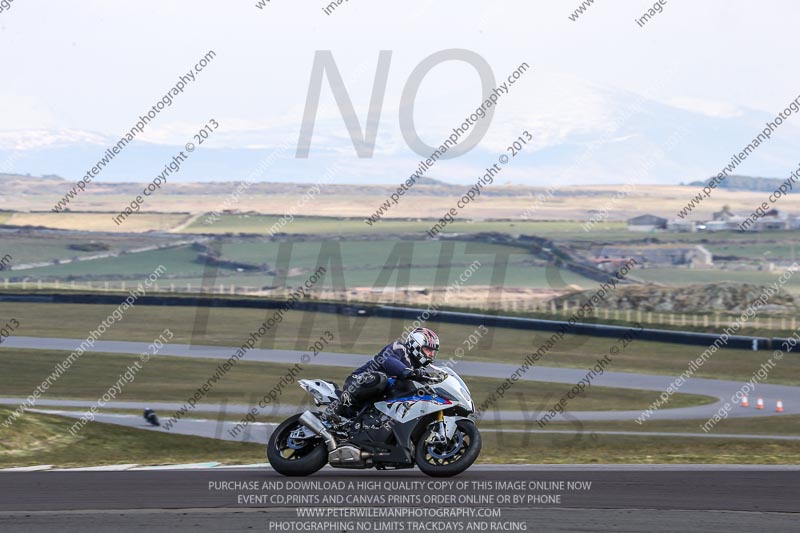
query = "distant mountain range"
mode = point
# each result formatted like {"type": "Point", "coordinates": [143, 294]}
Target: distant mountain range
{"type": "Point", "coordinates": [582, 134]}
{"type": "Point", "coordinates": [19, 184]}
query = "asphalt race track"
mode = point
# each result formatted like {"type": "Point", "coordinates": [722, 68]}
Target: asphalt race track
{"type": "Point", "coordinates": [653, 498]}
{"type": "Point", "coordinates": [721, 389]}
{"type": "Point", "coordinates": [613, 498]}
{"type": "Point", "coordinates": [260, 432]}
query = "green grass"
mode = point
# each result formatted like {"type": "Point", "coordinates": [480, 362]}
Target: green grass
{"type": "Point", "coordinates": [618, 233]}
{"type": "Point", "coordinates": [366, 253]}
{"type": "Point", "coordinates": [516, 276]}
{"type": "Point", "coordinates": [758, 424]}
{"type": "Point", "coordinates": [420, 262]}
{"type": "Point", "coordinates": [762, 424]}
{"type": "Point", "coordinates": [177, 378]}
{"type": "Point", "coordinates": [44, 439]}
{"type": "Point", "coordinates": [136, 267]}
{"type": "Point", "coordinates": [685, 276]}
{"type": "Point", "coordinates": [36, 439]}
{"type": "Point", "coordinates": [786, 248]}
{"type": "Point", "coordinates": [260, 224]}
{"type": "Point", "coordinates": [48, 247]}
{"type": "Point", "coordinates": [415, 262]}
{"type": "Point", "coordinates": [366, 335]}
{"type": "Point", "coordinates": [609, 231]}
{"type": "Point", "coordinates": [350, 263]}
{"type": "Point", "coordinates": [530, 277]}
{"type": "Point", "coordinates": [610, 449]}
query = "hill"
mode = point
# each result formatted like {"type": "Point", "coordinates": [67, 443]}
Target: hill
{"type": "Point", "coordinates": [428, 199]}
{"type": "Point", "coordinates": [745, 183]}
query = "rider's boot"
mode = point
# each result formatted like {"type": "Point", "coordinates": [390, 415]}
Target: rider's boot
{"type": "Point", "coordinates": [333, 415]}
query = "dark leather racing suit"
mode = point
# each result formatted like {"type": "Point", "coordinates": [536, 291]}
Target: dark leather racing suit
{"type": "Point", "coordinates": [370, 380]}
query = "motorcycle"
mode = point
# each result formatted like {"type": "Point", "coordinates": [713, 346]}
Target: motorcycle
{"type": "Point", "coordinates": [426, 424]}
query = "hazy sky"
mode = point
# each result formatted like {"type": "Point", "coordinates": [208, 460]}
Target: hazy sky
{"type": "Point", "coordinates": [91, 67]}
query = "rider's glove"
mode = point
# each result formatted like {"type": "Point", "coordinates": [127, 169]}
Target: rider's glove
{"type": "Point", "coordinates": [421, 375]}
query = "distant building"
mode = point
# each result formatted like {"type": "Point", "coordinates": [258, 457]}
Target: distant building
{"type": "Point", "coordinates": [699, 257]}
{"type": "Point", "coordinates": [731, 224]}
{"type": "Point", "coordinates": [773, 220]}
{"type": "Point", "coordinates": [682, 226]}
{"type": "Point", "coordinates": [647, 223]}
{"type": "Point", "coordinates": [726, 220]}
{"type": "Point", "coordinates": [655, 256]}
{"type": "Point", "coordinates": [771, 224]}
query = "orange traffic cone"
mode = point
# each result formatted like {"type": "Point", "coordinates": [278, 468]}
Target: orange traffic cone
{"type": "Point", "coordinates": [745, 402]}
{"type": "Point", "coordinates": [779, 407]}
{"type": "Point", "coordinates": [760, 403]}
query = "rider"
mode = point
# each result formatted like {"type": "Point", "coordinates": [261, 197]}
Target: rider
{"type": "Point", "coordinates": [399, 360]}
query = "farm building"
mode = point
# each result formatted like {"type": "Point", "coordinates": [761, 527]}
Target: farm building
{"type": "Point", "coordinates": [646, 223]}
{"type": "Point", "coordinates": [682, 226]}
{"type": "Point", "coordinates": [657, 256]}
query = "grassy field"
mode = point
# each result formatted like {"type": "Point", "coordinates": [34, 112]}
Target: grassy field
{"type": "Point", "coordinates": [179, 260]}
{"type": "Point", "coordinates": [401, 278]}
{"type": "Point", "coordinates": [177, 378]}
{"type": "Point", "coordinates": [620, 234]}
{"type": "Point", "coordinates": [785, 247]}
{"type": "Point", "coordinates": [51, 246]}
{"type": "Point", "coordinates": [614, 230]}
{"type": "Point", "coordinates": [359, 262]}
{"type": "Point", "coordinates": [351, 264]}
{"type": "Point", "coordinates": [138, 222]}
{"type": "Point", "coordinates": [683, 276]}
{"type": "Point", "coordinates": [758, 424]}
{"type": "Point", "coordinates": [368, 252]}
{"type": "Point", "coordinates": [37, 439]}
{"type": "Point", "coordinates": [366, 335]}
{"type": "Point", "coordinates": [360, 200]}
{"type": "Point", "coordinates": [354, 263]}
{"type": "Point", "coordinates": [635, 449]}
{"type": "Point", "coordinates": [761, 423]}
{"type": "Point", "coordinates": [44, 439]}
{"type": "Point", "coordinates": [260, 224]}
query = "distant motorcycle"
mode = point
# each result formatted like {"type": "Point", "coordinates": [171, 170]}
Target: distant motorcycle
{"type": "Point", "coordinates": [415, 423]}
{"type": "Point", "coordinates": [151, 417]}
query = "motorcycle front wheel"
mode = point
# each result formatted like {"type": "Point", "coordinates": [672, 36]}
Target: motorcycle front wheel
{"type": "Point", "coordinates": [295, 458]}
{"type": "Point", "coordinates": [453, 457]}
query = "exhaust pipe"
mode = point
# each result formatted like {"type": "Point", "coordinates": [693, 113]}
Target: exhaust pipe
{"type": "Point", "coordinates": [314, 424]}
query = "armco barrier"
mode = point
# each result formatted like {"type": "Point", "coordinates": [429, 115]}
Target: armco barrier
{"type": "Point", "coordinates": [385, 311]}
{"type": "Point", "coordinates": [595, 330]}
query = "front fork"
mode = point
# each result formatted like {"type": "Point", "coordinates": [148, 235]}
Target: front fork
{"type": "Point", "coordinates": [445, 428]}
{"type": "Point", "coordinates": [439, 434]}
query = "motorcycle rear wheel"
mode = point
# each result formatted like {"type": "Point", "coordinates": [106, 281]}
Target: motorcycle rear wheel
{"type": "Point", "coordinates": [293, 461]}
{"type": "Point", "coordinates": [451, 459]}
